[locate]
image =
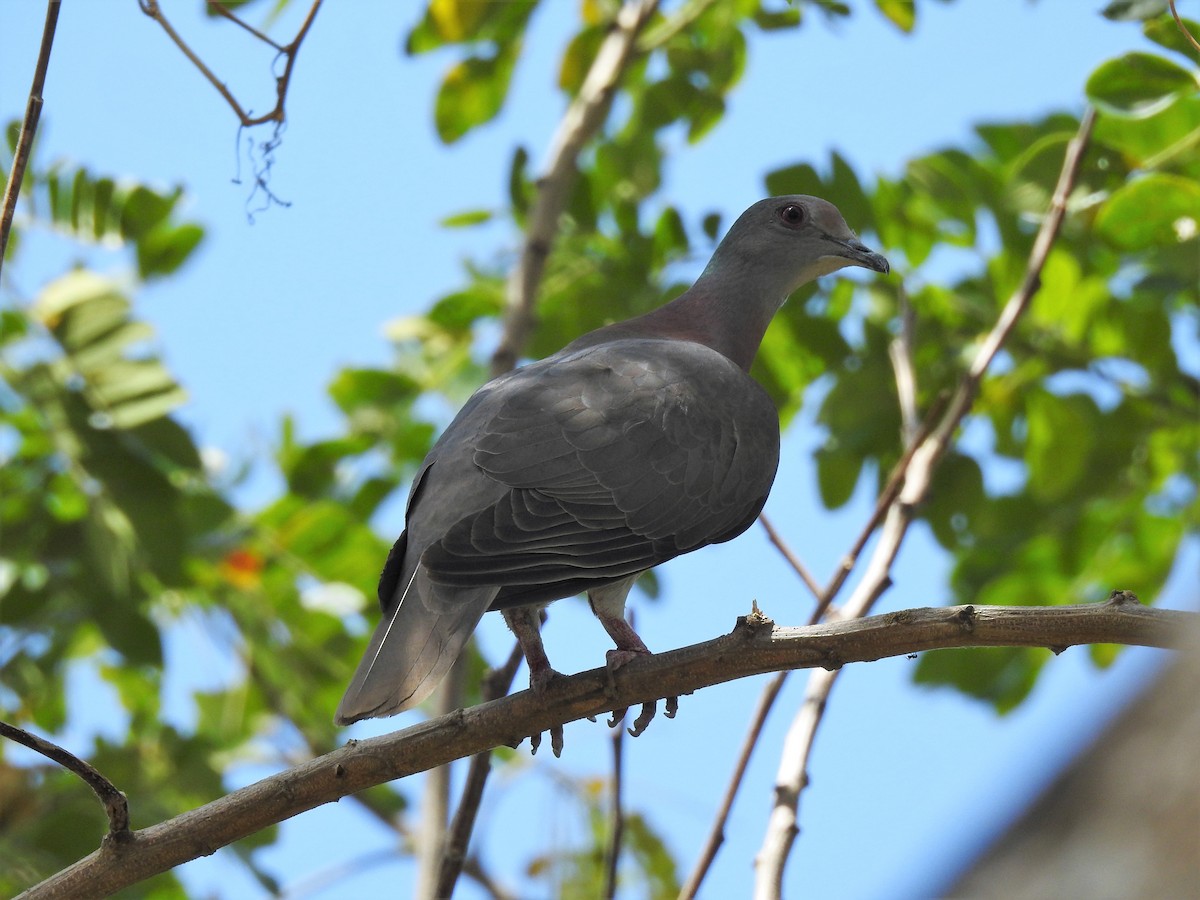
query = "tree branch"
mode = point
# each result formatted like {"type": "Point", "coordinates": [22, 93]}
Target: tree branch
{"type": "Point", "coordinates": [116, 807]}
{"type": "Point", "coordinates": [918, 476]}
{"type": "Point", "coordinates": [33, 112]}
{"type": "Point", "coordinates": [753, 647]}
{"type": "Point", "coordinates": [583, 118]}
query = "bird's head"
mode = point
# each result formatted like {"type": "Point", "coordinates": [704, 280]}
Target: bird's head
{"type": "Point", "coordinates": [790, 240]}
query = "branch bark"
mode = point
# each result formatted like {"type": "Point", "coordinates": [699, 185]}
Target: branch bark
{"type": "Point", "coordinates": [754, 646]}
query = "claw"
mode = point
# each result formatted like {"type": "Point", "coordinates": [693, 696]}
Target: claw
{"type": "Point", "coordinates": [618, 716]}
{"type": "Point", "coordinates": [671, 707]}
{"type": "Point", "coordinates": [556, 741]}
{"type": "Point", "coordinates": [643, 719]}
{"type": "Point", "coordinates": [535, 741]}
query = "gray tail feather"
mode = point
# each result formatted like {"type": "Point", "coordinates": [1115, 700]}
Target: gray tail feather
{"type": "Point", "coordinates": [412, 649]}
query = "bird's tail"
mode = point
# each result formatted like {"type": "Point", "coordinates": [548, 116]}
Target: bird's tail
{"type": "Point", "coordinates": [413, 648]}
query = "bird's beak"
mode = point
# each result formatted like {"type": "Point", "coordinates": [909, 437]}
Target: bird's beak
{"type": "Point", "coordinates": [859, 254]}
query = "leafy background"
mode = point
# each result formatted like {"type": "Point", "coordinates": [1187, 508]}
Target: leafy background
{"type": "Point", "coordinates": [205, 437]}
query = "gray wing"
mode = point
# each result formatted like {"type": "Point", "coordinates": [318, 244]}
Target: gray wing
{"type": "Point", "coordinates": [616, 458]}
{"type": "Point", "coordinates": [566, 475]}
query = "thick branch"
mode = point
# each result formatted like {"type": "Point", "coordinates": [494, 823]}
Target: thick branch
{"type": "Point", "coordinates": [754, 646]}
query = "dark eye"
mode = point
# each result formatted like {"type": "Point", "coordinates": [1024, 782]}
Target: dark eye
{"type": "Point", "coordinates": [792, 215]}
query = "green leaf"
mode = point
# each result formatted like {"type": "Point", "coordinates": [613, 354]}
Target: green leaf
{"type": "Point", "coordinates": [1133, 10]}
{"type": "Point", "coordinates": [902, 13]}
{"type": "Point", "coordinates": [165, 248]}
{"type": "Point", "coordinates": [471, 94]}
{"type": "Point", "coordinates": [1164, 32]}
{"type": "Point", "coordinates": [1138, 84]}
{"type": "Point", "coordinates": [467, 219]}
{"type": "Point", "coordinates": [838, 471]}
{"type": "Point", "coordinates": [798, 179]}
{"type": "Point", "coordinates": [1156, 210]}
{"type": "Point", "coordinates": [1062, 433]}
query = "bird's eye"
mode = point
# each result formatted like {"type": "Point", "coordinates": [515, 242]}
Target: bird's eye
{"type": "Point", "coordinates": [791, 215]}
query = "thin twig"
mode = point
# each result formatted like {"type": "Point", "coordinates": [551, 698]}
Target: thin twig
{"type": "Point", "coordinates": [435, 796]}
{"type": "Point", "coordinates": [616, 813]}
{"type": "Point", "coordinates": [116, 807]}
{"type": "Point", "coordinates": [788, 554]}
{"type": "Point", "coordinates": [791, 777]}
{"type": "Point", "coordinates": [1182, 27]}
{"type": "Point", "coordinates": [289, 52]}
{"type": "Point", "coordinates": [496, 685]}
{"type": "Point", "coordinates": [579, 124]}
{"type": "Point", "coordinates": [900, 351]}
{"type": "Point", "coordinates": [883, 502]}
{"type": "Point", "coordinates": [33, 112]}
{"type": "Point", "coordinates": [716, 835]}
{"type": "Point", "coordinates": [222, 10]}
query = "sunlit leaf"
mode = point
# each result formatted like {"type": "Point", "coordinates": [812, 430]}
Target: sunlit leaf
{"type": "Point", "coordinates": [1138, 84]}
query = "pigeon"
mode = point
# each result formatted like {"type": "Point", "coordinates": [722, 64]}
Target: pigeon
{"type": "Point", "coordinates": [635, 443]}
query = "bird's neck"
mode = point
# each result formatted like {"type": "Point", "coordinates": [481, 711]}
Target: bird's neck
{"type": "Point", "coordinates": [728, 309]}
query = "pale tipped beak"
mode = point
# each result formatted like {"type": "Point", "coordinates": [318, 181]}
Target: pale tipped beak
{"type": "Point", "coordinates": [860, 254]}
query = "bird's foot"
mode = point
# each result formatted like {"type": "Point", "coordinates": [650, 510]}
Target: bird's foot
{"type": "Point", "coordinates": [618, 658]}
{"type": "Point", "coordinates": [540, 680]}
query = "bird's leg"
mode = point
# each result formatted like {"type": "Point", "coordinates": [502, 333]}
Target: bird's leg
{"type": "Point", "coordinates": [608, 603]}
{"type": "Point", "coordinates": [629, 643]}
{"type": "Point", "coordinates": [525, 623]}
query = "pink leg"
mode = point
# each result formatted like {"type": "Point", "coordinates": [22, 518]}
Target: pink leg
{"type": "Point", "coordinates": [525, 623]}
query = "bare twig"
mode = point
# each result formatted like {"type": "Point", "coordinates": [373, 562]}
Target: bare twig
{"type": "Point", "coordinates": [900, 352]}
{"type": "Point", "coordinates": [115, 805]}
{"type": "Point", "coordinates": [750, 649]}
{"type": "Point", "coordinates": [883, 502]}
{"type": "Point", "coordinates": [435, 797]}
{"type": "Point", "coordinates": [33, 112]}
{"type": "Point", "coordinates": [790, 556]}
{"type": "Point", "coordinates": [791, 777]}
{"type": "Point", "coordinates": [616, 813]}
{"type": "Point", "coordinates": [582, 120]}
{"type": "Point", "coordinates": [1182, 27]}
{"type": "Point", "coordinates": [222, 10]}
{"type": "Point", "coordinates": [716, 835]}
{"type": "Point", "coordinates": [496, 685]}
{"type": "Point", "coordinates": [289, 52]}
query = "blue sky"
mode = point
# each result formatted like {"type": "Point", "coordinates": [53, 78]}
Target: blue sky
{"type": "Point", "coordinates": [268, 311]}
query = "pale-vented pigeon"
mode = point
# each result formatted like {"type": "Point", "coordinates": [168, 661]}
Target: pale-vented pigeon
{"type": "Point", "coordinates": [635, 443]}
